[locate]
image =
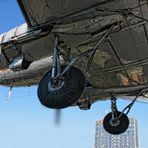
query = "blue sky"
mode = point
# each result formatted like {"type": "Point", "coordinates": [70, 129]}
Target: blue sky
{"type": "Point", "coordinates": [24, 123]}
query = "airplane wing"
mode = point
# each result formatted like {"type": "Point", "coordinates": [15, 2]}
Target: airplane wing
{"type": "Point", "coordinates": [120, 63]}
{"type": "Point", "coordinates": [37, 12]}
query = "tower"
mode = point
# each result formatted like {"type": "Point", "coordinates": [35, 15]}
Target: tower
{"type": "Point", "coordinates": [129, 139]}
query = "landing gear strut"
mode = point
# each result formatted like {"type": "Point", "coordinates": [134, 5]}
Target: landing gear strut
{"type": "Point", "coordinates": [117, 122]}
{"type": "Point", "coordinates": [57, 90]}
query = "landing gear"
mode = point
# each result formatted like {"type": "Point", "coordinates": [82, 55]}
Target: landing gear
{"type": "Point", "coordinates": [117, 122]}
{"type": "Point", "coordinates": [62, 92]}
{"type": "Point", "coordinates": [116, 126]}
{"type": "Point", "coordinates": [57, 90]}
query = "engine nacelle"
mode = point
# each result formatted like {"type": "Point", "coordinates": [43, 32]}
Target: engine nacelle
{"type": "Point", "coordinates": [19, 63]}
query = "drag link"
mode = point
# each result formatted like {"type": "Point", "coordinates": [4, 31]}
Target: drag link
{"type": "Point", "coordinates": [128, 107]}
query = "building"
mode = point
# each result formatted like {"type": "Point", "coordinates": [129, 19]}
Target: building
{"type": "Point", "coordinates": [129, 139]}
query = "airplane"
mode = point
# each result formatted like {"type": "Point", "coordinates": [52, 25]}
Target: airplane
{"type": "Point", "coordinates": [80, 52]}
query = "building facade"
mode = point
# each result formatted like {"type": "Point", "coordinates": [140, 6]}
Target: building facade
{"type": "Point", "coordinates": [129, 139]}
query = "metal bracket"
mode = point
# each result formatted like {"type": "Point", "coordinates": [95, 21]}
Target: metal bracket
{"type": "Point", "coordinates": [128, 107]}
{"type": "Point", "coordinates": [90, 52]}
{"type": "Point", "coordinates": [56, 66]}
{"type": "Point", "coordinates": [126, 110]}
{"type": "Point", "coordinates": [114, 108]}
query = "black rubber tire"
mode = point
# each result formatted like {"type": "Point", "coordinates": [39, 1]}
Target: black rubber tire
{"type": "Point", "coordinates": [70, 92]}
{"type": "Point", "coordinates": [119, 129]}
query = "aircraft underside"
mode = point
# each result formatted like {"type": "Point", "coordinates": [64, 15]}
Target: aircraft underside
{"type": "Point", "coordinates": [97, 53]}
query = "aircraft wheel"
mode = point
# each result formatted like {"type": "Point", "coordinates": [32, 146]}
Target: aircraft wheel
{"type": "Point", "coordinates": [64, 92]}
{"type": "Point", "coordinates": [116, 127]}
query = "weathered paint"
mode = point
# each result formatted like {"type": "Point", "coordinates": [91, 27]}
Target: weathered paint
{"type": "Point", "coordinates": [28, 77]}
{"type": "Point", "coordinates": [121, 61]}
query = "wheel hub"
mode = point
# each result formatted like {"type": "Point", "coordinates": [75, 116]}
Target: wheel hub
{"type": "Point", "coordinates": [55, 85]}
{"type": "Point", "coordinates": [114, 122]}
